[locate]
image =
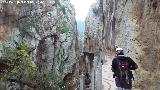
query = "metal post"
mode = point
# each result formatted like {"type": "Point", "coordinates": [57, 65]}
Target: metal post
{"type": "Point", "coordinates": [100, 70]}
{"type": "Point", "coordinates": [100, 75]}
{"type": "Point", "coordinates": [82, 77]}
{"type": "Point", "coordinates": [95, 73]}
{"type": "Point", "coordinates": [92, 80]}
{"type": "Point", "coordinates": [93, 77]}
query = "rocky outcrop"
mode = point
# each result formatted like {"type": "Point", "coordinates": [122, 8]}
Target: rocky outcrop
{"type": "Point", "coordinates": [134, 26]}
{"type": "Point", "coordinates": [49, 27]}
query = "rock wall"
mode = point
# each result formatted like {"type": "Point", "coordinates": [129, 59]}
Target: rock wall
{"type": "Point", "coordinates": [93, 47]}
{"type": "Point", "coordinates": [93, 30]}
{"type": "Point", "coordinates": [147, 42]}
{"type": "Point", "coordinates": [49, 27]}
{"type": "Point", "coordinates": [134, 26]}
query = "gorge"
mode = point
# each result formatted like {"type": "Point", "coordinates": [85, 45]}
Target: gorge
{"type": "Point", "coordinates": [40, 47]}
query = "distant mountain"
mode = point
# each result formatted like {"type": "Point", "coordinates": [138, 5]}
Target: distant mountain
{"type": "Point", "coordinates": [81, 27]}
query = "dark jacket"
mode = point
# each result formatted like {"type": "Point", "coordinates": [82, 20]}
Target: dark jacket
{"type": "Point", "coordinates": [115, 67]}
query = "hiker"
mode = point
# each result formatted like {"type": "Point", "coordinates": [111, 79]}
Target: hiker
{"type": "Point", "coordinates": [122, 66]}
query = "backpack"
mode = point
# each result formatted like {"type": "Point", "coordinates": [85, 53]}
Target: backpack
{"type": "Point", "coordinates": [123, 66]}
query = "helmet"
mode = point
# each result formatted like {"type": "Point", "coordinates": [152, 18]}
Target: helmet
{"type": "Point", "coordinates": [119, 49]}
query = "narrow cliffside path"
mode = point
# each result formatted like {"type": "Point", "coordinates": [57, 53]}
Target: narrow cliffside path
{"type": "Point", "coordinates": [108, 82]}
{"type": "Point", "coordinates": [107, 75]}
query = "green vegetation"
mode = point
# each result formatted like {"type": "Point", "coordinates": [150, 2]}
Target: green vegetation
{"type": "Point", "coordinates": [23, 70]}
{"type": "Point", "coordinates": [49, 80]}
{"type": "Point", "coordinates": [58, 55]}
{"type": "Point", "coordinates": [60, 7]}
{"type": "Point", "coordinates": [17, 59]}
{"type": "Point", "coordinates": [20, 67]}
{"type": "Point", "coordinates": [59, 59]}
{"type": "Point", "coordinates": [95, 11]}
{"type": "Point", "coordinates": [63, 9]}
{"type": "Point", "coordinates": [64, 28]}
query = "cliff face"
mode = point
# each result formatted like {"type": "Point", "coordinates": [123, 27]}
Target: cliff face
{"type": "Point", "coordinates": [49, 27]}
{"type": "Point", "coordinates": [147, 42]}
{"type": "Point", "coordinates": [134, 26]}
{"type": "Point", "coordinates": [93, 31]}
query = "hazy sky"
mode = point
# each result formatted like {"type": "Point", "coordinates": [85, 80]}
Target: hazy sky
{"type": "Point", "coordinates": [82, 7]}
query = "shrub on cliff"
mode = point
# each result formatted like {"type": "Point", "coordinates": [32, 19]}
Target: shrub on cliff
{"type": "Point", "coordinates": [23, 71]}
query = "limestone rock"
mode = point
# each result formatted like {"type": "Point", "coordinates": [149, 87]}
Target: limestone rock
{"type": "Point", "coordinates": [134, 26]}
{"type": "Point", "coordinates": [50, 30]}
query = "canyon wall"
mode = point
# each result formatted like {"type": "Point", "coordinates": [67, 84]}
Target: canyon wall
{"type": "Point", "coordinates": [49, 28]}
{"type": "Point", "coordinates": [134, 26]}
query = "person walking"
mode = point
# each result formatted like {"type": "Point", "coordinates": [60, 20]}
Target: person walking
{"type": "Point", "coordinates": [121, 67]}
